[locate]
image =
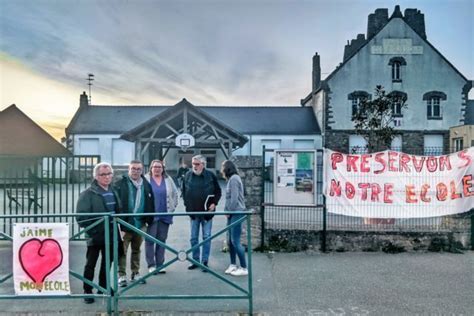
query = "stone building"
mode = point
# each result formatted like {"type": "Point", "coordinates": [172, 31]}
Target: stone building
{"type": "Point", "coordinates": [462, 136]}
{"type": "Point", "coordinates": [396, 54]}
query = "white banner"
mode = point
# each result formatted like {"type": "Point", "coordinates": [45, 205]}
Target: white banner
{"type": "Point", "coordinates": [41, 258]}
{"type": "Point", "coordinates": [392, 184]}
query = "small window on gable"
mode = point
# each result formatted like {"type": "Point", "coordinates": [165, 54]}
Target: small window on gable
{"type": "Point", "coordinates": [434, 105]}
{"type": "Point", "coordinates": [356, 98]}
{"type": "Point", "coordinates": [396, 63]}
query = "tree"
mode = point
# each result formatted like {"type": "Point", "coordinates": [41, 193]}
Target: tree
{"type": "Point", "coordinates": [373, 119]}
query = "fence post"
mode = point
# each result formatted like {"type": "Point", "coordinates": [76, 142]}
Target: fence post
{"type": "Point", "coordinates": [262, 207]}
{"type": "Point", "coordinates": [323, 236]}
{"type": "Point", "coordinates": [472, 231]}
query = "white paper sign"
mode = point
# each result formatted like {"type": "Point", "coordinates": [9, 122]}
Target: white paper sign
{"type": "Point", "coordinates": [392, 184]}
{"type": "Point", "coordinates": [41, 258]}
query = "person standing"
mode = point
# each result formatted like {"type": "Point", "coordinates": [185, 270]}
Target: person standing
{"type": "Point", "coordinates": [201, 193]}
{"type": "Point", "coordinates": [165, 196]}
{"type": "Point", "coordinates": [100, 197]}
{"type": "Point", "coordinates": [136, 198]}
{"type": "Point", "coordinates": [182, 170]}
{"type": "Point", "coordinates": [234, 202]}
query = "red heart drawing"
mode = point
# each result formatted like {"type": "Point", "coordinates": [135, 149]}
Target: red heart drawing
{"type": "Point", "coordinates": [40, 258]}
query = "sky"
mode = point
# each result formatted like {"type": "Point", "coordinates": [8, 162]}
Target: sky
{"type": "Point", "coordinates": [211, 52]}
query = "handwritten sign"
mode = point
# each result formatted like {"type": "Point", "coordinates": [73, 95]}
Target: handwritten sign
{"type": "Point", "coordinates": [41, 258]}
{"type": "Point", "coordinates": [392, 184]}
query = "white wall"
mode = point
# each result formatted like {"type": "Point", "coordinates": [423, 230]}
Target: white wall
{"type": "Point", "coordinates": [110, 147]}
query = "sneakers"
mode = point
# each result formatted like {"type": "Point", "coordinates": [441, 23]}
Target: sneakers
{"type": "Point", "coordinates": [137, 276]}
{"type": "Point", "coordinates": [240, 272]}
{"type": "Point", "coordinates": [230, 269]}
{"type": "Point", "coordinates": [122, 281]}
{"type": "Point", "coordinates": [162, 271]}
{"type": "Point", "coordinates": [192, 266]}
{"type": "Point", "coordinates": [152, 270]}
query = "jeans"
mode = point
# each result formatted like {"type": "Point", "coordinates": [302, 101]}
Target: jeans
{"type": "Point", "coordinates": [206, 232]}
{"type": "Point", "coordinates": [154, 253]}
{"type": "Point", "coordinates": [134, 240]}
{"type": "Point", "coordinates": [235, 247]}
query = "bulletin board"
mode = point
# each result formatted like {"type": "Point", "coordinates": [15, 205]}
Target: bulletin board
{"type": "Point", "coordinates": [294, 177]}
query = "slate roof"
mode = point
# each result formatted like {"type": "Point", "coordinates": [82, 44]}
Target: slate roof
{"type": "Point", "coordinates": [469, 116]}
{"type": "Point", "coordinates": [20, 135]}
{"type": "Point", "coordinates": [280, 120]}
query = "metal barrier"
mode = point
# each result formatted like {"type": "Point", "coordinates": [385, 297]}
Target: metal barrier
{"type": "Point", "coordinates": [113, 294]}
{"type": "Point", "coordinates": [43, 185]}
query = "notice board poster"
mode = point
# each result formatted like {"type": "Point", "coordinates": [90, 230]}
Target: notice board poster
{"type": "Point", "coordinates": [295, 177]}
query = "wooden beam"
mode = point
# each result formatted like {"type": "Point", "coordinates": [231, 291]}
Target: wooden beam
{"type": "Point", "coordinates": [172, 129]}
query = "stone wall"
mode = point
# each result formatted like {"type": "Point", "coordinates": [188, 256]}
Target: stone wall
{"type": "Point", "coordinates": [250, 170]}
{"type": "Point", "coordinates": [412, 141]}
{"type": "Point", "coordinates": [455, 237]}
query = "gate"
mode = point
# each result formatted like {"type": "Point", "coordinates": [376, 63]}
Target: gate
{"type": "Point", "coordinates": [42, 185]}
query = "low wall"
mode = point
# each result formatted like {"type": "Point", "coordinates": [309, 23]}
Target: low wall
{"type": "Point", "coordinates": [391, 242]}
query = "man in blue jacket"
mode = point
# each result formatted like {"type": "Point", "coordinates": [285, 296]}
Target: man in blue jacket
{"type": "Point", "coordinates": [201, 193]}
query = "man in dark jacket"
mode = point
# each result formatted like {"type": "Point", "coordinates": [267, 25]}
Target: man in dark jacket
{"type": "Point", "coordinates": [201, 193]}
{"type": "Point", "coordinates": [136, 197]}
{"type": "Point", "coordinates": [98, 198]}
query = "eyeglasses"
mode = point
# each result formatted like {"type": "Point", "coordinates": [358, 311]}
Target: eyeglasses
{"type": "Point", "coordinates": [157, 167]}
{"type": "Point", "coordinates": [136, 169]}
{"type": "Point", "coordinates": [105, 174]}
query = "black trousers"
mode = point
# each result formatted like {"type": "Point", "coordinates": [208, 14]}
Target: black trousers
{"type": "Point", "coordinates": [92, 256]}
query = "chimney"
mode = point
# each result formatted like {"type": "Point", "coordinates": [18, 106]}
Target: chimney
{"type": "Point", "coordinates": [416, 20]}
{"type": "Point", "coordinates": [316, 72]}
{"type": "Point", "coordinates": [83, 101]}
{"type": "Point", "coordinates": [354, 45]}
{"type": "Point", "coordinates": [376, 21]}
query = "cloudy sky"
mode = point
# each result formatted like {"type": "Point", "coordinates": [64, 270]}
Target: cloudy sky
{"type": "Point", "coordinates": [216, 52]}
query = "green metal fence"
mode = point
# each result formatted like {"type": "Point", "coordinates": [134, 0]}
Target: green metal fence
{"type": "Point", "coordinates": [115, 295]}
{"type": "Point", "coordinates": [42, 185]}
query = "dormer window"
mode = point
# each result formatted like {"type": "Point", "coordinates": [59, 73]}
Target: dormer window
{"type": "Point", "coordinates": [356, 98]}
{"type": "Point", "coordinates": [433, 104]}
{"type": "Point", "coordinates": [397, 63]}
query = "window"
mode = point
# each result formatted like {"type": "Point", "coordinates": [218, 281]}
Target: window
{"type": "Point", "coordinates": [210, 158]}
{"type": "Point", "coordinates": [398, 99]}
{"type": "Point", "coordinates": [396, 143]}
{"type": "Point", "coordinates": [433, 104]}
{"type": "Point", "coordinates": [433, 145]}
{"type": "Point", "coordinates": [397, 107]}
{"type": "Point", "coordinates": [396, 69]}
{"type": "Point", "coordinates": [458, 144]}
{"type": "Point", "coordinates": [357, 144]}
{"type": "Point", "coordinates": [397, 63]}
{"type": "Point", "coordinates": [356, 98]}
{"type": "Point", "coordinates": [433, 108]}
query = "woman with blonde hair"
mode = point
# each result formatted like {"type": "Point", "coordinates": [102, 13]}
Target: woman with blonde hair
{"type": "Point", "coordinates": [165, 195]}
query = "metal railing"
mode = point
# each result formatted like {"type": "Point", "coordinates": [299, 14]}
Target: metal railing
{"type": "Point", "coordinates": [113, 294]}
{"type": "Point", "coordinates": [42, 185]}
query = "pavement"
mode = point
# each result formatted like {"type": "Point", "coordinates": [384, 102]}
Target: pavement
{"type": "Point", "coordinates": [304, 283]}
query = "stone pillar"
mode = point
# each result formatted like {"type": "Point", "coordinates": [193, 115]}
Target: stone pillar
{"type": "Point", "coordinates": [250, 170]}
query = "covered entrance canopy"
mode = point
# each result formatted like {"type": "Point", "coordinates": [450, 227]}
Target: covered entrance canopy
{"type": "Point", "coordinates": [157, 136]}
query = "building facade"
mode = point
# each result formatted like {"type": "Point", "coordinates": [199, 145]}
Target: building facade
{"type": "Point", "coordinates": [395, 54]}
{"type": "Point", "coordinates": [121, 133]}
